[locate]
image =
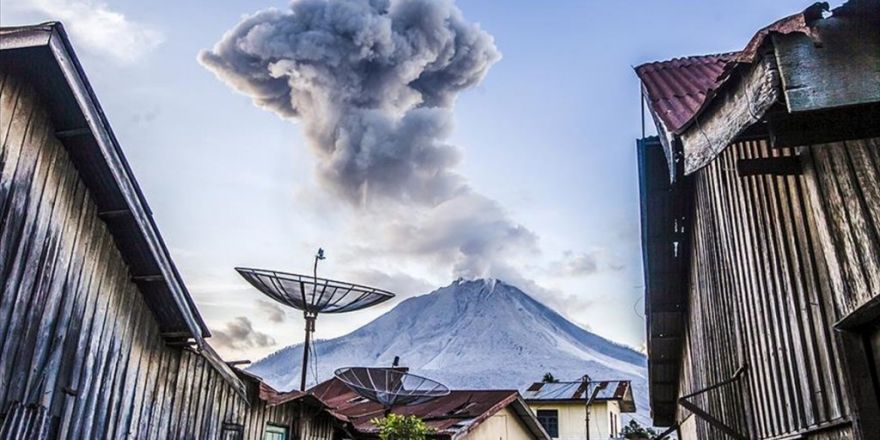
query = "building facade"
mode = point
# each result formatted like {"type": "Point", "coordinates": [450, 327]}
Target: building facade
{"type": "Point", "coordinates": [98, 335]}
{"type": "Point", "coordinates": [581, 410]}
{"type": "Point", "coordinates": [761, 232]}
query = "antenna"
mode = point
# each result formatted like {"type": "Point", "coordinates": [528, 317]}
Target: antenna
{"type": "Point", "coordinates": [313, 295]}
{"type": "Point", "coordinates": [390, 387]}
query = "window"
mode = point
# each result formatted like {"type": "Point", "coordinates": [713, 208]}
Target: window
{"type": "Point", "coordinates": [274, 432]}
{"type": "Point", "coordinates": [232, 431]}
{"type": "Point", "coordinates": [549, 419]}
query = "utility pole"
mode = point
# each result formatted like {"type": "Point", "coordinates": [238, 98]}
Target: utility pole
{"type": "Point", "coordinates": [586, 379]}
{"type": "Point", "coordinates": [587, 382]}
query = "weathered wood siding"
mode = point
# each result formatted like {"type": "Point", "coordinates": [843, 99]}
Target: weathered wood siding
{"type": "Point", "coordinates": [776, 260]}
{"type": "Point", "coordinates": [846, 178]}
{"type": "Point", "coordinates": [81, 355]}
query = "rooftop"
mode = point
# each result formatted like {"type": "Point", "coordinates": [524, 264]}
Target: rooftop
{"type": "Point", "coordinates": [452, 415]}
{"type": "Point", "coordinates": [605, 390]}
{"type": "Point", "coordinates": [677, 88]}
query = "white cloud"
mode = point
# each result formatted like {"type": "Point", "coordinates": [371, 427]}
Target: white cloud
{"type": "Point", "coordinates": [95, 26]}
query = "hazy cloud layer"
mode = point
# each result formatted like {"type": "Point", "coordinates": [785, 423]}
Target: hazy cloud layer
{"type": "Point", "coordinates": [470, 232]}
{"type": "Point", "coordinates": [576, 264]}
{"type": "Point", "coordinates": [94, 25]}
{"type": "Point", "coordinates": [400, 283]}
{"type": "Point", "coordinates": [239, 334]}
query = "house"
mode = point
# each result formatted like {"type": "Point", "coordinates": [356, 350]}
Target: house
{"type": "Point", "coordinates": [99, 337]}
{"type": "Point", "coordinates": [562, 407]}
{"type": "Point", "coordinates": [462, 414]}
{"type": "Point", "coordinates": [760, 209]}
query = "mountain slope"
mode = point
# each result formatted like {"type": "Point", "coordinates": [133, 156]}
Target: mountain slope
{"type": "Point", "coordinates": [471, 334]}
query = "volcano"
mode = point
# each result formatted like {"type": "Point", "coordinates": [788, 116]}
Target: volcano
{"type": "Point", "coordinates": [472, 334]}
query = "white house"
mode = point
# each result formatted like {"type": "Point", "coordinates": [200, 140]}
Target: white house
{"type": "Point", "coordinates": [567, 409]}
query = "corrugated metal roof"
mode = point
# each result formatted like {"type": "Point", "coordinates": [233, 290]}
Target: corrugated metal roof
{"type": "Point", "coordinates": [458, 411]}
{"type": "Point", "coordinates": [676, 89]}
{"type": "Point", "coordinates": [605, 390]}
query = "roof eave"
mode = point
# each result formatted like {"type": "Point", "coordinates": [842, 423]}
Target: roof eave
{"type": "Point", "coordinates": [51, 35]}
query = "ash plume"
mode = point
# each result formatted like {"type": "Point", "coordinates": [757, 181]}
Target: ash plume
{"type": "Point", "coordinates": [372, 81]}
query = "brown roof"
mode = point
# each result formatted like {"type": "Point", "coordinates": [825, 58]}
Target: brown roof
{"type": "Point", "coordinates": [274, 398]}
{"type": "Point", "coordinates": [678, 89]}
{"type": "Point", "coordinates": [458, 412]}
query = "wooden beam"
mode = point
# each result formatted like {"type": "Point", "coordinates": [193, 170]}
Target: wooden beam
{"type": "Point", "coordinates": [113, 213]}
{"type": "Point", "coordinates": [773, 166]}
{"type": "Point", "coordinates": [825, 126]}
{"type": "Point", "coordinates": [842, 69]}
{"type": "Point", "coordinates": [65, 134]}
{"type": "Point", "coordinates": [241, 362]}
{"type": "Point", "coordinates": [152, 278]}
{"type": "Point", "coordinates": [740, 103]}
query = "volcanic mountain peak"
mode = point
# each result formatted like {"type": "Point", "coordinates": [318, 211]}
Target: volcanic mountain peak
{"type": "Point", "coordinates": [481, 333]}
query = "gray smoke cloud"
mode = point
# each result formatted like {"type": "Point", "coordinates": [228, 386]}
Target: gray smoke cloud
{"type": "Point", "coordinates": [373, 82]}
{"type": "Point", "coordinates": [272, 310]}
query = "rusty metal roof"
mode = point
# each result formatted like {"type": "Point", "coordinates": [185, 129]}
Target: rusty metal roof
{"type": "Point", "coordinates": [452, 415]}
{"type": "Point", "coordinates": [605, 390]}
{"type": "Point", "coordinates": [676, 89]}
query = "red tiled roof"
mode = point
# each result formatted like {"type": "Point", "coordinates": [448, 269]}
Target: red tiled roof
{"type": "Point", "coordinates": [676, 89]}
{"type": "Point", "coordinates": [447, 415]}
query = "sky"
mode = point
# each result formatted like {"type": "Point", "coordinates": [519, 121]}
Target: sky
{"type": "Point", "coordinates": [541, 150]}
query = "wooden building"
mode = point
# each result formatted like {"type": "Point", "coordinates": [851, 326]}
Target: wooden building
{"type": "Point", "coordinates": [760, 202]}
{"type": "Point", "coordinates": [98, 335]}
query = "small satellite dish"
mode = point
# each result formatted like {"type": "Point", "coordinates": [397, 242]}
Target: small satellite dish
{"type": "Point", "coordinates": [390, 387]}
{"type": "Point", "coordinates": [313, 295]}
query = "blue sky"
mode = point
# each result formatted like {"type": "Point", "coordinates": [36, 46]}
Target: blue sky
{"type": "Point", "coordinates": [548, 136]}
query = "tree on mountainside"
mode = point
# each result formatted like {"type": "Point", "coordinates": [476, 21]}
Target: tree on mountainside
{"type": "Point", "coordinates": [548, 378]}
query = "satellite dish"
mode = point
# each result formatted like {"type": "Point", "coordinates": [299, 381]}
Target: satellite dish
{"type": "Point", "coordinates": [313, 295]}
{"type": "Point", "coordinates": [390, 387]}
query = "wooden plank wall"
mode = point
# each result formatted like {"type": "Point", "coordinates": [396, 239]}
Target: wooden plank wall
{"type": "Point", "coordinates": [846, 178]}
{"type": "Point", "coordinates": [80, 352]}
{"type": "Point", "coordinates": [761, 296]}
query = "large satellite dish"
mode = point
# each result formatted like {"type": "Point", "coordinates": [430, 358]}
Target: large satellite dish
{"type": "Point", "coordinates": [390, 387]}
{"type": "Point", "coordinates": [313, 296]}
